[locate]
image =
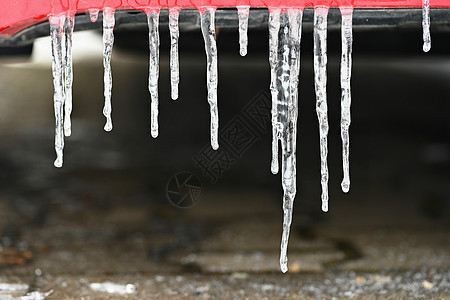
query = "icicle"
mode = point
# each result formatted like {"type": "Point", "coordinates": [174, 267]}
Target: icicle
{"type": "Point", "coordinates": [68, 32]}
{"type": "Point", "coordinates": [426, 25]}
{"type": "Point", "coordinates": [320, 76]}
{"type": "Point", "coordinates": [243, 12]}
{"type": "Point", "coordinates": [93, 14]}
{"type": "Point", "coordinates": [346, 72]}
{"type": "Point", "coordinates": [209, 36]}
{"type": "Point", "coordinates": [153, 36]}
{"type": "Point", "coordinates": [274, 27]}
{"type": "Point", "coordinates": [57, 35]}
{"type": "Point", "coordinates": [174, 13]}
{"type": "Point", "coordinates": [108, 41]}
{"type": "Point", "coordinates": [288, 71]}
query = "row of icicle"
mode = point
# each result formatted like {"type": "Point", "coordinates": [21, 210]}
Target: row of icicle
{"type": "Point", "coordinates": [285, 27]}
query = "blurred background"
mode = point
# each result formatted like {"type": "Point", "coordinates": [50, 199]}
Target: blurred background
{"type": "Point", "coordinates": [107, 215]}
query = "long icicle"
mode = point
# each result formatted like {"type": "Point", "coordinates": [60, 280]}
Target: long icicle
{"type": "Point", "coordinates": [346, 98]}
{"type": "Point", "coordinates": [426, 25]}
{"type": "Point", "coordinates": [68, 74]}
{"type": "Point", "coordinates": [320, 76]}
{"type": "Point", "coordinates": [108, 41]}
{"type": "Point", "coordinates": [209, 36]}
{"type": "Point", "coordinates": [57, 36]}
{"type": "Point", "coordinates": [174, 14]}
{"type": "Point", "coordinates": [288, 78]}
{"type": "Point", "coordinates": [153, 77]}
{"type": "Point", "coordinates": [274, 28]}
{"type": "Point", "coordinates": [243, 13]}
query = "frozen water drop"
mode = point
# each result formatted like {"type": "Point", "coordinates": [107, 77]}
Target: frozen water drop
{"type": "Point", "coordinates": [346, 72]}
{"type": "Point", "coordinates": [426, 25]}
{"type": "Point", "coordinates": [108, 41]}
{"type": "Point", "coordinates": [93, 14]}
{"type": "Point", "coordinates": [174, 60]}
{"type": "Point", "coordinates": [57, 37]}
{"type": "Point", "coordinates": [320, 78]}
{"type": "Point", "coordinates": [243, 12]}
{"type": "Point", "coordinates": [68, 74]}
{"type": "Point", "coordinates": [325, 206]}
{"type": "Point", "coordinates": [209, 36]}
{"type": "Point", "coordinates": [153, 36]}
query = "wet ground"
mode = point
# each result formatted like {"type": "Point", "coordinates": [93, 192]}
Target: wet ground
{"type": "Point", "coordinates": [106, 215]}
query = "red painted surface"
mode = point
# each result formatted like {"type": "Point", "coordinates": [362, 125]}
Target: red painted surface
{"type": "Point", "coordinates": [16, 15]}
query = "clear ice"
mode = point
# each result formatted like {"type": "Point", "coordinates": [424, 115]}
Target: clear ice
{"type": "Point", "coordinates": [153, 37]}
{"type": "Point", "coordinates": [209, 36]}
{"type": "Point", "coordinates": [287, 79]}
{"type": "Point", "coordinates": [346, 98]}
{"type": "Point", "coordinates": [320, 79]}
{"type": "Point", "coordinates": [243, 12]}
{"type": "Point", "coordinates": [426, 25]}
{"type": "Point", "coordinates": [58, 53]}
{"type": "Point", "coordinates": [68, 74]}
{"type": "Point", "coordinates": [274, 28]}
{"type": "Point", "coordinates": [174, 13]}
{"type": "Point", "coordinates": [108, 41]}
{"type": "Point", "coordinates": [285, 27]}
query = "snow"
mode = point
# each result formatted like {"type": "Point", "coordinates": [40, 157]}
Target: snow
{"type": "Point", "coordinates": [113, 288]}
{"type": "Point", "coordinates": [13, 287]}
{"type": "Point", "coordinates": [35, 295]}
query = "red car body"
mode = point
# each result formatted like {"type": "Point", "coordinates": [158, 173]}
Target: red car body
{"type": "Point", "coordinates": [16, 15]}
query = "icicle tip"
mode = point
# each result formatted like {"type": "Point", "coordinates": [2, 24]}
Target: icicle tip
{"type": "Point", "coordinates": [67, 131]}
{"type": "Point", "coordinates": [108, 127]}
{"type": "Point", "coordinates": [58, 162]}
{"type": "Point", "coordinates": [345, 186]}
{"type": "Point", "coordinates": [283, 267]}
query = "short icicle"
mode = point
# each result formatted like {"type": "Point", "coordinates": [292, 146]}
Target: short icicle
{"type": "Point", "coordinates": [108, 41]}
{"type": "Point", "coordinates": [93, 14]}
{"type": "Point", "coordinates": [346, 99]}
{"type": "Point", "coordinates": [274, 28]}
{"type": "Point", "coordinates": [209, 36]}
{"type": "Point", "coordinates": [288, 71]}
{"type": "Point", "coordinates": [243, 13]}
{"type": "Point", "coordinates": [153, 77]}
{"type": "Point", "coordinates": [57, 36]}
{"type": "Point", "coordinates": [68, 74]}
{"type": "Point", "coordinates": [320, 78]}
{"type": "Point", "coordinates": [426, 25]}
{"type": "Point", "coordinates": [174, 14]}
